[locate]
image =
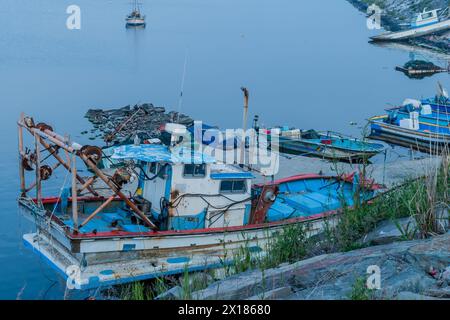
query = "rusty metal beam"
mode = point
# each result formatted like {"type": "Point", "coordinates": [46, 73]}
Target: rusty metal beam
{"type": "Point", "coordinates": [59, 141]}
{"type": "Point", "coordinates": [89, 182]}
{"type": "Point", "coordinates": [74, 193]}
{"type": "Point", "coordinates": [116, 190]}
{"type": "Point", "coordinates": [56, 165]}
{"type": "Point", "coordinates": [38, 171]}
{"type": "Point", "coordinates": [93, 214]}
{"type": "Point", "coordinates": [21, 153]}
{"type": "Point", "coordinates": [57, 157]}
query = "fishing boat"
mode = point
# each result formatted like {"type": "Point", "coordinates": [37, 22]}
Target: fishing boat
{"type": "Point", "coordinates": [327, 145]}
{"type": "Point", "coordinates": [135, 18]}
{"type": "Point", "coordinates": [425, 23]}
{"type": "Point", "coordinates": [424, 113]}
{"type": "Point", "coordinates": [410, 132]}
{"type": "Point", "coordinates": [187, 212]}
{"type": "Point", "coordinates": [440, 102]}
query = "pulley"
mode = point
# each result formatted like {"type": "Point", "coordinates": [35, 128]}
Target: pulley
{"type": "Point", "coordinates": [28, 160]}
{"type": "Point", "coordinates": [121, 177]}
{"type": "Point", "coordinates": [27, 164]}
{"type": "Point", "coordinates": [45, 172]}
{"type": "Point", "coordinates": [92, 152]}
{"type": "Point", "coordinates": [43, 126]}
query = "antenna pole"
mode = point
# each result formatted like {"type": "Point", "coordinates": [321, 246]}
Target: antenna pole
{"type": "Point", "coordinates": [180, 100]}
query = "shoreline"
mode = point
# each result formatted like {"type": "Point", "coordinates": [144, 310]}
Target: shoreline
{"type": "Point", "coordinates": [391, 22]}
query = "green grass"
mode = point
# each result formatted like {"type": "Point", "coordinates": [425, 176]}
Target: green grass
{"type": "Point", "coordinates": [360, 290]}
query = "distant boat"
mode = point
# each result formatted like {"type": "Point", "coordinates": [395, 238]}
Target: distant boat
{"type": "Point", "coordinates": [135, 18]}
{"type": "Point", "coordinates": [326, 145]}
{"type": "Point", "coordinates": [426, 22]}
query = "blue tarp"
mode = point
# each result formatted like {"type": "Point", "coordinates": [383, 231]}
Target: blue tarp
{"type": "Point", "coordinates": [160, 153]}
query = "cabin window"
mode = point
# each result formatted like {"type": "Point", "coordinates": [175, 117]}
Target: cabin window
{"type": "Point", "coordinates": [194, 170]}
{"type": "Point", "coordinates": [427, 15]}
{"type": "Point", "coordinates": [233, 186]}
{"type": "Point", "coordinates": [153, 167]}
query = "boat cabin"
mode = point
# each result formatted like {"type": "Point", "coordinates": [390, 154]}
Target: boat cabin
{"type": "Point", "coordinates": [426, 18]}
{"type": "Point", "coordinates": [187, 190]}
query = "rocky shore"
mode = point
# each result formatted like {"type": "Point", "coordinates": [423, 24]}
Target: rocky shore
{"type": "Point", "coordinates": [408, 270]}
{"type": "Point", "coordinates": [398, 12]}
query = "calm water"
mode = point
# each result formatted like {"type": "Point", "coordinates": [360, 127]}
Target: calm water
{"type": "Point", "coordinates": [306, 64]}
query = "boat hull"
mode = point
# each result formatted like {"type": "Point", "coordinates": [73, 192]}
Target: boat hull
{"type": "Point", "coordinates": [135, 22]}
{"type": "Point", "coordinates": [163, 256]}
{"type": "Point", "coordinates": [304, 147]}
{"type": "Point", "coordinates": [428, 142]}
{"type": "Point", "coordinates": [413, 33]}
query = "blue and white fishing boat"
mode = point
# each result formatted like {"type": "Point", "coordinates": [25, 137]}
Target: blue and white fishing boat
{"type": "Point", "coordinates": [425, 23]}
{"type": "Point", "coordinates": [327, 145]}
{"type": "Point", "coordinates": [440, 103]}
{"type": "Point", "coordinates": [425, 114]}
{"type": "Point", "coordinates": [410, 132]}
{"type": "Point", "coordinates": [187, 212]}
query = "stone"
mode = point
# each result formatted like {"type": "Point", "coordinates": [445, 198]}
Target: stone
{"type": "Point", "coordinates": [407, 295]}
{"type": "Point", "coordinates": [174, 293]}
{"type": "Point", "coordinates": [390, 231]}
{"type": "Point", "coordinates": [278, 293]}
{"type": "Point", "coordinates": [403, 268]}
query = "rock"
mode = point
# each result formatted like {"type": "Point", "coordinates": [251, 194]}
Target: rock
{"type": "Point", "coordinates": [390, 231]}
{"type": "Point", "coordinates": [438, 293]}
{"type": "Point", "coordinates": [407, 295]}
{"type": "Point", "coordinates": [446, 276]}
{"type": "Point", "coordinates": [403, 268]}
{"type": "Point", "coordinates": [174, 293]}
{"type": "Point", "coordinates": [278, 293]}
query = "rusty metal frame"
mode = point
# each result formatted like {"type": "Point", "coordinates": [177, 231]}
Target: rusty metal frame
{"type": "Point", "coordinates": [73, 148]}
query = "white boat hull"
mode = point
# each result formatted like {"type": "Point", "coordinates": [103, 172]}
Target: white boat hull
{"type": "Point", "coordinates": [135, 22]}
{"type": "Point", "coordinates": [413, 33]}
{"type": "Point", "coordinates": [111, 261]}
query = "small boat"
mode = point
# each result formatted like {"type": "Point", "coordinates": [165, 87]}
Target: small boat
{"type": "Point", "coordinates": [188, 212]}
{"type": "Point", "coordinates": [426, 22]}
{"type": "Point", "coordinates": [327, 145]}
{"type": "Point", "coordinates": [135, 18]}
{"type": "Point", "coordinates": [440, 102]}
{"type": "Point", "coordinates": [426, 115]}
{"type": "Point", "coordinates": [409, 132]}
